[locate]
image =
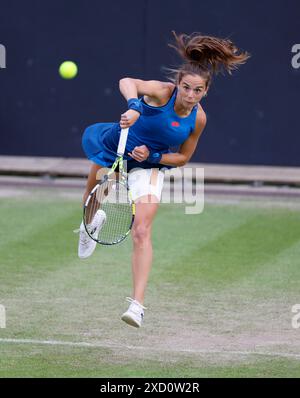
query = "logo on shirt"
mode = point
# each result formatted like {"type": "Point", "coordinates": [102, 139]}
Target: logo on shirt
{"type": "Point", "coordinates": [175, 124]}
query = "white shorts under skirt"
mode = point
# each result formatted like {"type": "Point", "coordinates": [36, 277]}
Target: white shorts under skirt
{"type": "Point", "coordinates": [144, 182]}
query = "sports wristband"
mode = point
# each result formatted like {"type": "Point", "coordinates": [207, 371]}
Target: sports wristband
{"type": "Point", "coordinates": [135, 104]}
{"type": "Point", "coordinates": [154, 157]}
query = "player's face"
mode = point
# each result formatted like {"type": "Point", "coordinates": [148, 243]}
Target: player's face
{"type": "Point", "coordinates": [191, 89]}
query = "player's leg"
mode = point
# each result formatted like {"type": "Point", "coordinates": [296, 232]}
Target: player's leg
{"type": "Point", "coordinates": [146, 188]}
{"type": "Point", "coordinates": [142, 246]}
{"type": "Point", "coordinates": [96, 171]}
{"type": "Point", "coordinates": [86, 245]}
{"type": "Point", "coordinates": [146, 209]}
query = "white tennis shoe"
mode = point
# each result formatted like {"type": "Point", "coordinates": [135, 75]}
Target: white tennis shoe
{"type": "Point", "coordinates": [134, 316]}
{"type": "Point", "coordinates": [86, 245]}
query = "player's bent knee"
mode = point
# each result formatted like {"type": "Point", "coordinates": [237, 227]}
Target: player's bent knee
{"type": "Point", "coordinates": [141, 233]}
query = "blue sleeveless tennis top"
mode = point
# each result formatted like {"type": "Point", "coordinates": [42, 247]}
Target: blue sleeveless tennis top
{"type": "Point", "coordinates": [159, 128]}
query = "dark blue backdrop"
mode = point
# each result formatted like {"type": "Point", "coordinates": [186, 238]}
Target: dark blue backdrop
{"type": "Point", "coordinates": [252, 115]}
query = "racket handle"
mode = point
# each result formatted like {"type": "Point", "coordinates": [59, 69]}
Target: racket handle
{"type": "Point", "coordinates": [122, 142]}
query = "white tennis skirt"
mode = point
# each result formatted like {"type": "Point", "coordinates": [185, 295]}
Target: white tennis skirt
{"type": "Point", "coordinates": [144, 182]}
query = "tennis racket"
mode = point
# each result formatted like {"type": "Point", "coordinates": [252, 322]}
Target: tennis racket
{"type": "Point", "coordinates": [108, 213]}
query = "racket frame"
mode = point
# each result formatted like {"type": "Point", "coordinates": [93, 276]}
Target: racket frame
{"type": "Point", "coordinates": [122, 180]}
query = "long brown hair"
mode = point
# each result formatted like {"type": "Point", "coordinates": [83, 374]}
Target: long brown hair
{"type": "Point", "coordinates": [206, 56]}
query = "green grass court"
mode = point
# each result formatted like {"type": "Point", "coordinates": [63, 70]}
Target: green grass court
{"type": "Point", "coordinates": [219, 299]}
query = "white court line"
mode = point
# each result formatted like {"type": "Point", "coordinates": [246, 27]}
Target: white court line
{"type": "Point", "coordinates": [110, 345]}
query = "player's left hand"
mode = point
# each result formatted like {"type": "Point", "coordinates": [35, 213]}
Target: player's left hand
{"type": "Point", "coordinates": [140, 153]}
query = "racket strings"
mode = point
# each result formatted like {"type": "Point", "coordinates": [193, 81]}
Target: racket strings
{"type": "Point", "coordinates": [111, 197]}
{"type": "Point", "coordinates": [96, 199]}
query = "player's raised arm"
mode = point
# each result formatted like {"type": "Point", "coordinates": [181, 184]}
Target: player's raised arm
{"type": "Point", "coordinates": [156, 92]}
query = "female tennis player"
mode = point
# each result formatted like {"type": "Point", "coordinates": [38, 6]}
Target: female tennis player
{"type": "Point", "coordinates": [160, 115]}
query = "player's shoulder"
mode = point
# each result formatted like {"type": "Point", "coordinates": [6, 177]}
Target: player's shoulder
{"type": "Point", "coordinates": [169, 85]}
{"type": "Point", "coordinates": [167, 90]}
{"type": "Point", "coordinates": [158, 92]}
{"type": "Point", "coordinates": [162, 87]}
{"type": "Point", "coordinates": [201, 116]}
{"type": "Point", "coordinates": [200, 120]}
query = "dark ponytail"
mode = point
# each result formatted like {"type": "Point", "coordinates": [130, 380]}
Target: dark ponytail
{"type": "Point", "coordinates": [206, 55]}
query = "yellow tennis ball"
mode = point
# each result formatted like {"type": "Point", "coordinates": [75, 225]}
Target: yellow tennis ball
{"type": "Point", "coordinates": [68, 70]}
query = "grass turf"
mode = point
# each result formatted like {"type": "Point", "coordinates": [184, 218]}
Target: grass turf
{"type": "Point", "coordinates": [222, 280]}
